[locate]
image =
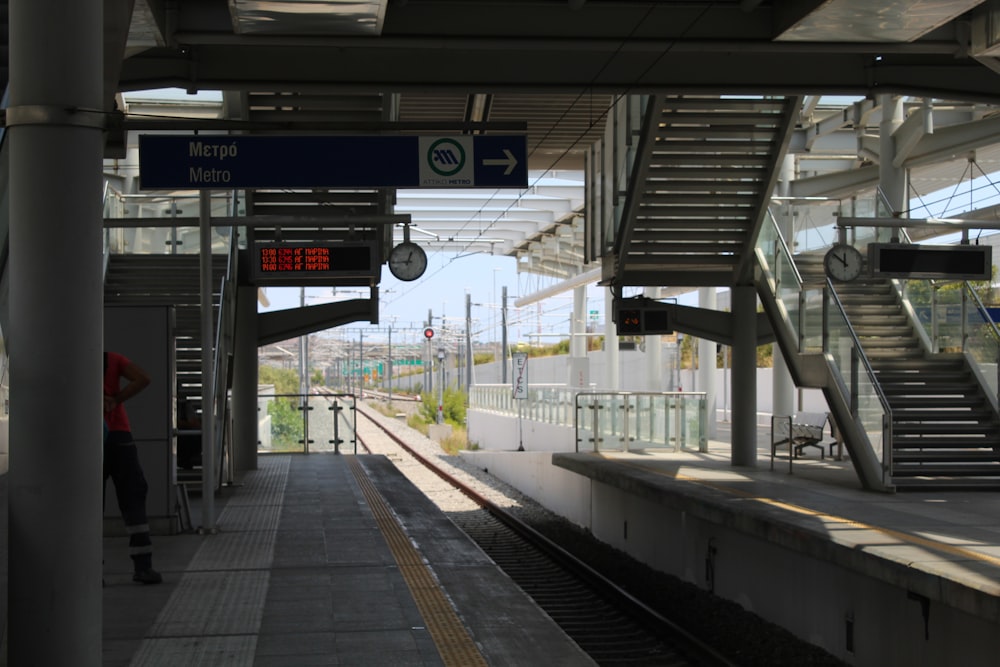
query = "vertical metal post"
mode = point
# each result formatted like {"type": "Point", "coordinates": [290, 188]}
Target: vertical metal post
{"type": "Point", "coordinates": [207, 371]}
{"type": "Point", "coordinates": [468, 341]}
{"type": "Point", "coordinates": [440, 410]}
{"type": "Point", "coordinates": [503, 351]}
{"type": "Point", "coordinates": [390, 363]}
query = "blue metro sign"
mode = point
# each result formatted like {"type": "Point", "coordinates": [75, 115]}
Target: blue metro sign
{"type": "Point", "coordinates": [169, 161]}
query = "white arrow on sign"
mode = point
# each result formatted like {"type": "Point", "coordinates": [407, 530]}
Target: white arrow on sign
{"type": "Point", "coordinates": [510, 161]}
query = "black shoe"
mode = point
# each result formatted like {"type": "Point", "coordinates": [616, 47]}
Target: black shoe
{"type": "Point", "coordinates": [149, 576]}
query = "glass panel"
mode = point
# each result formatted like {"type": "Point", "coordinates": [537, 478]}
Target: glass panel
{"type": "Point", "coordinates": [946, 319]}
{"type": "Point", "coordinates": [982, 340]}
{"type": "Point", "coordinates": [331, 423]}
{"type": "Point", "coordinates": [604, 420]}
{"type": "Point", "coordinates": [871, 410]}
{"type": "Point", "coordinates": [281, 425]}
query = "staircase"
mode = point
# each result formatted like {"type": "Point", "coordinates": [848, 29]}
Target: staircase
{"type": "Point", "coordinates": [174, 280]}
{"type": "Point", "coordinates": [699, 188]}
{"type": "Point", "coordinates": [945, 431]}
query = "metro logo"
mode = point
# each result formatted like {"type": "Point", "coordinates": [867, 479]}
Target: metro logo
{"type": "Point", "coordinates": [446, 157]}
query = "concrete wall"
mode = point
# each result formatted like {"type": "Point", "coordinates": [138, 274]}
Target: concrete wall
{"type": "Point", "coordinates": [488, 430]}
{"type": "Point", "coordinates": [532, 473]}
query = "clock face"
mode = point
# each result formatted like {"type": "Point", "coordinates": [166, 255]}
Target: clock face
{"type": "Point", "coordinates": [407, 261]}
{"type": "Point", "coordinates": [843, 262]}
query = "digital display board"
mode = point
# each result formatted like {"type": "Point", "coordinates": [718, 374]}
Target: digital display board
{"type": "Point", "coordinates": [314, 263]}
{"type": "Point", "coordinates": [642, 316]}
{"type": "Point", "coordinates": [949, 262]}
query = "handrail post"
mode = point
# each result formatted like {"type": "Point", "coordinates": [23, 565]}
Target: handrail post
{"type": "Point", "coordinates": [964, 330]}
{"type": "Point", "coordinates": [936, 346]}
{"type": "Point", "coordinates": [626, 410]}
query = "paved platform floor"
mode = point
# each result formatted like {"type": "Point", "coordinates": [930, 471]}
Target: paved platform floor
{"type": "Point", "coordinates": [316, 565]}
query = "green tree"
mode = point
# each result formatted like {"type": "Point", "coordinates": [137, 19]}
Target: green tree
{"type": "Point", "coordinates": [453, 407]}
{"type": "Point", "coordinates": [285, 381]}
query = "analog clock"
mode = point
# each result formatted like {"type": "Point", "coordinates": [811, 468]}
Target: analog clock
{"type": "Point", "coordinates": [407, 261]}
{"type": "Point", "coordinates": [843, 262]}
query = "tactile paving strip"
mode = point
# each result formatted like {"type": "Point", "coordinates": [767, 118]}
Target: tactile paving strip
{"type": "Point", "coordinates": [450, 635]}
{"type": "Point", "coordinates": [213, 616]}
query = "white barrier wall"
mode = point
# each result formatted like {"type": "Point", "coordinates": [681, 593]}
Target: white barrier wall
{"type": "Point", "coordinates": [492, 431]}
{"type": "Point", "coordinates": [532, 473]}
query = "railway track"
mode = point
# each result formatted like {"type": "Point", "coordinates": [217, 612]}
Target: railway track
{"type": "Point", "coordinates": [612, 626]}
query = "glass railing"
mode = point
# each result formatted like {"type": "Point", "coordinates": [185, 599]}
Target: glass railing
{"type": "Point", "coordinates": [548, 404]}
{"type": "Point", "coordinates": [816, 322]}
{"type": "Point", "coordinates": [161, 236]}
{"type": "Point", "coordinates": [618, 421]}
{"type": "Point", "coordinates": [955, 320]}
{"type": "Point", "coordinates": [868, 404]}
{"type": "Point", "coordinates": [299, 423]}
{"type": "Point", "coordinates": [629, 421]}
{"type": "Point", "coordinates": [982, 340]}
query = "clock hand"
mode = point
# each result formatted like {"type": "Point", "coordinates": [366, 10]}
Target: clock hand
{"type": "Point", "coordinates": [843, 260]}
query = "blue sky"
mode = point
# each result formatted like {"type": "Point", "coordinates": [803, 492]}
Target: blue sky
{"type": "Point", "coordinates": [443, 290]}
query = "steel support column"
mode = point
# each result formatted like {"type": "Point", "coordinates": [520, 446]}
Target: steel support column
{"type": "Point", "coordinates": [744, 392]}
{"type": "Point", "coordinates": [56, 332]}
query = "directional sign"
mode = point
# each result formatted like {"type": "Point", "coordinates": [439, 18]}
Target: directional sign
{"type": "Point", "coordinates": [202, 162]}
{"type": "Point", "coordinates": [519, 388]}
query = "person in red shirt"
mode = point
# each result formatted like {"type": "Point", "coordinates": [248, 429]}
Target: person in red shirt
{"type": "Point", "coordinates": [121, 461]}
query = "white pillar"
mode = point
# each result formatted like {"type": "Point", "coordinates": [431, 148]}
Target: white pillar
{"type": "Point", "coordinates": [610, 345]}
{"type": "Point", "coordinates": [707, 363]}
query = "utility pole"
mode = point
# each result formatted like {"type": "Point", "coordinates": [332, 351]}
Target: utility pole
{"type": "Point", "coordinates": [428, 359]}
{"type": "Point", "coordinates": [468, 342]}
{"type": "Point", "coordinates": [503, 349]}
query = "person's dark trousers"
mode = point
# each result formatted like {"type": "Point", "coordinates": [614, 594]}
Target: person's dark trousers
{"type": "Point", "coordinates": [121, 464]}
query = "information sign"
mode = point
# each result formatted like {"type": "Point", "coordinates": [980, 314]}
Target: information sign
{"type": "Point", "coordinates": [170, 161]}
{"type": "Point", "coordinates": [520, 378]}
{"type": "Point", "coordinates": [314, 263]}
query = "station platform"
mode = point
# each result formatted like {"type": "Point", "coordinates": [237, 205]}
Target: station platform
{"type": "Point", "coordinates": [911, 578]}
{"type": "Point", "coordinates": [323, 559]}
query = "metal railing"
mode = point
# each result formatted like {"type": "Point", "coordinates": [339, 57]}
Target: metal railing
{"type": "Point", "coordinates": [305, 423]}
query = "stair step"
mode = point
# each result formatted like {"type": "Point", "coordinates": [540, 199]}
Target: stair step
{"type": "Point", "coordinates": [940, 402]}
{"type": "Point", "coordinates": [959, 429]}
{"type": "Point", "coordinates": [908, 413]}
{"type": "Point", "coordinates": [863, 300]}
{"type": "Point", "coordinates": [935, 379]}
{"type": "Point", "coordinates": [864, 330]}
{"type": "Point", "coordinates": [878, 355]}
{"type": "Point", "coordinates": [946, 469]}
{"type": "Point", "coordinates": [987, 481]}
{"type": "Point", "coordinates": [888, 342]}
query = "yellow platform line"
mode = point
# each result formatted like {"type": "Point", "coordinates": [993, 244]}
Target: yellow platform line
{"type": "Point", "coordinates": [449, 633]}
{"type": "Point", "coordinates": [910, 538]}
